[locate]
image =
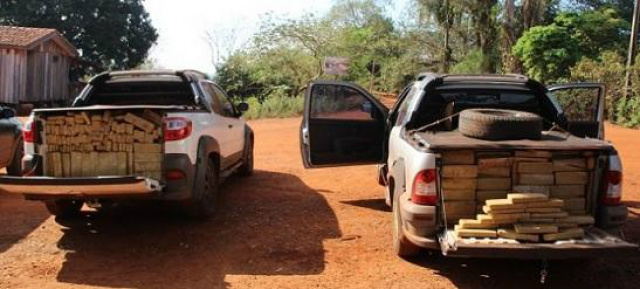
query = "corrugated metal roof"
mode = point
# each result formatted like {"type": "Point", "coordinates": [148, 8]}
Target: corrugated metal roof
{"type": "Point", "coordinates": [28, 37]}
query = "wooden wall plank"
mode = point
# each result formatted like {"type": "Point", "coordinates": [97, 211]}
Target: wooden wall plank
{"type": "Point", "coordinates": [39, 75]}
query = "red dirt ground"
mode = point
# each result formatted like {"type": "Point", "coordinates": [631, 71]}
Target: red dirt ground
{"type": "Point", "coordinates": [285, 227]}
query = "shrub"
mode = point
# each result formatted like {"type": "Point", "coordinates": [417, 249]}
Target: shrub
{"type": "Point", "coordinates": [609, 69]}
{"type": "Point", "coordinates": [547, 52]}
{"type": "Point", "coordinates": [472, 63]}
{"type": "Point", "coordinates": [254, 108]}
{"type": "Point", "coordinates": [275, 105]}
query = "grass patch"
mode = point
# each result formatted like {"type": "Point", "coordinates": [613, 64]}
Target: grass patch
{"type": "Point", "coordinates": [274, 107]}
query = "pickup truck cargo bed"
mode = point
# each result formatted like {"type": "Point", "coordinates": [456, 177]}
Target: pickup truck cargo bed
{"type": "Point", "coordinates": [100, 141]}
{"type": "Point", "coordinates": [595, 244]}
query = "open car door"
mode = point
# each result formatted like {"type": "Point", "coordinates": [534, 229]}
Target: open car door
{"type": "Point", "coordinates": [583, 106]}
{"type": "Point", "coordinates": [342, 125]}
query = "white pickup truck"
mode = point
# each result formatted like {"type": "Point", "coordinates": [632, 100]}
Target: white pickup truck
{"type": "Point", "coordinates": [344, 125]}
{"type": "Point", "coordinates": [200, 138]}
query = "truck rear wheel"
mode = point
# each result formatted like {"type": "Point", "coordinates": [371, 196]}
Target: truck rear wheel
{"type": "Point", "coordinates": [500, 124]}
{"type": "Point", "coordinates": [64, 208]}
{"type": "Point", "coordinates": [204, 202]}
{"type": "Point", "coordinates": [401, 244]}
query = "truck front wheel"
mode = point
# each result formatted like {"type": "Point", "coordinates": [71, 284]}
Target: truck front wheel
{"type": "Point", "coordinates": [64, 208]}
{"type": "Point", "coordinates": [401, 244]}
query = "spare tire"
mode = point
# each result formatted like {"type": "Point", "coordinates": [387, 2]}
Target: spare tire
{"type": "Point", "coordinates": [500, 124]}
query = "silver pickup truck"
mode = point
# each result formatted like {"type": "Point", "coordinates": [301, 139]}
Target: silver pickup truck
{"type": "Point", "coordinates": [344, 125]}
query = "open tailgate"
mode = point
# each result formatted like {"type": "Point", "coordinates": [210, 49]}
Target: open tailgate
{"type": "Point", "coordinates": [79, 187]}
{"type": "Point", "coordinates": [596, 243]}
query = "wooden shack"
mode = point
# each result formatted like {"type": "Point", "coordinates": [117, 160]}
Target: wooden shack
{"type": "Point", "coordinates": [34, 66]}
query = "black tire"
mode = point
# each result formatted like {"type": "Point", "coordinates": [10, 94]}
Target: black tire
{"type": "Point", "coordinates": [64, 208]}
{"type": "Point", "coordinates": [246, 169]}
{"type": "Point", "coordinates": [204, 202]}
{"type": "Point", "coordinates": [500, 124]}
{"type": "Point", "coordinates": [401, 245]}
{"type": "Point", "coordinates": [15, 166]}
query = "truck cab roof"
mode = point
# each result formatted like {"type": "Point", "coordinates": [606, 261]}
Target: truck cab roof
{"type": "Point", "coordinates": [150, 75]}
{"type": "Point", "coordinates": [142, 87]}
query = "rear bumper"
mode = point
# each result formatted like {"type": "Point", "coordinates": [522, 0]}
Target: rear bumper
{"type": "Point", "coordinates": [419, 222]}
{"type": "Point", "coordinates": [173, 190]}
{"type": "Point", "coordinates": [612, 216]}
{"type": "Point", "coordinates": [98, 187]}
{"type": "Point", "coordinates": [596, 244]}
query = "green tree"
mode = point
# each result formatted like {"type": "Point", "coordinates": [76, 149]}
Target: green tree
{"type": "Point", "coordinates": [516, 18]}
{"type": "Point", "coordinates": [547, 52]}
{"type": "Point", "coordinates": [536, 12]}
{"type": "Point", "coordinates": [109, 34]}
{"type": "Point", "coordinates": [596, 31]}
{"type": "Point", "coordinates": [624, 7]}
{"type": "Point", "coordinates": [474, 63]}
{"type": "Point", "coordinates": [235, 75]}
{"type": "Point", "coordinates": [287, 53]}
{"type": "Point", "coordinates": [486, 32]}
{"type": "Point", "coordinates": [444, 14]}
{"type": "Point", "coordinates": [309, 33]}
{"type": "Point", "coordinates": [609, 69]}
{"type": "Point", "coordinates": [356, 13]}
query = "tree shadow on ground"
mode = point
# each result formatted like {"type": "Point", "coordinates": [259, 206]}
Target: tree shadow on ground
{"type": "Point", "coordinates": [19, 218]}
{"type": "Point", "coordinates": [269, 224]}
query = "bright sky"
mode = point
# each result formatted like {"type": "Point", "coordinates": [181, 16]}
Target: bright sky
{"type": "Point", "coordinates": [182, 25]}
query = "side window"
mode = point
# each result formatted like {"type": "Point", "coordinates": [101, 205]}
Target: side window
{"type": "Point", "coordinates": [213, 99]}
{"type": "Point", "coordinates": [404, 108]}
{"type": "Point", "coordinates": [226, 105]}
{"type": "Point", "coordinates": [340, 102]}
{"type": "Point", "coordinates": [579, 104]}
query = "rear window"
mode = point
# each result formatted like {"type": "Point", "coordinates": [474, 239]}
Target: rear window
{"type": "Point", "coordinates": [443, 103]}
{"type": "Point", "coordinates": [499, 98]}
{"type": "Point", "coordinates": [140, 93]}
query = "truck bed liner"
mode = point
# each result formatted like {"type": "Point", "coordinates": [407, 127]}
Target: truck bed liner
{"type": "Point", "coordinates": [454, 140]}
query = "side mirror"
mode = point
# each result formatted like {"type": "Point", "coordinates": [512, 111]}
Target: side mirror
{"type": "Point", "coordinates": [7, 113]}
{"type": "Point", "coordinates": [367, 107]}
{"type": "Point", "coordinates": [243, 106]}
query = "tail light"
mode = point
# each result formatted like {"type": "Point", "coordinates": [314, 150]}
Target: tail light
{"type": "Point", "coordinates": [613, 188]}
{"type": "Point", "coordinates": [176, 128]}
{"type": "Point", "coordinates": [424, 191]}
{"type": "Point", "coordinates": [28, 132]}
{"type": "Point", "coordinates": [175, 175]}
